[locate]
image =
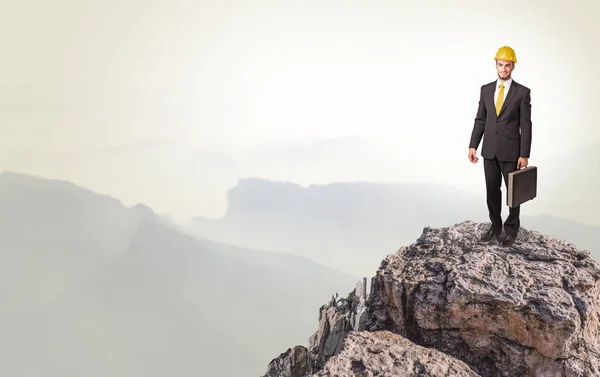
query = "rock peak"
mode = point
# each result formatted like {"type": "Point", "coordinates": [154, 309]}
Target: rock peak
{"type": "Point", "coordinates": [530, 309]}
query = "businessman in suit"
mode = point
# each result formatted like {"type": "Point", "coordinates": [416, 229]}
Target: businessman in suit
{"type": "Point", "coordinates": [503, 120]}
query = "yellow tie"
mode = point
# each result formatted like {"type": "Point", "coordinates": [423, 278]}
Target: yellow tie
{"type": "Point", "coordinates": [500, 99]}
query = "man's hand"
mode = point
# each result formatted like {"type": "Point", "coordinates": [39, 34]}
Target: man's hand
{"type": "Point", "coordinates": [473, 155]}
{"type": "Point", "coordinates": [522, 163]}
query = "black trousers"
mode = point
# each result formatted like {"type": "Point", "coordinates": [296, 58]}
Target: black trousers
{"type": "Point", "coordinates": [495, 170]}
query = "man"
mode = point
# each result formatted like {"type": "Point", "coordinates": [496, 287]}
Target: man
{"type": "Point", "coordinates": [504, 121]}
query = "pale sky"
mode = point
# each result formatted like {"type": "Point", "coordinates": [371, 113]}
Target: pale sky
{"type": "Point", "coordinates": [242, 76]}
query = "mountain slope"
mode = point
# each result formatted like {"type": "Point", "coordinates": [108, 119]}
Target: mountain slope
{"type": "Point", "coordinates": [151, 302]}
{"type": "Point", "coordinates": [52, 235]}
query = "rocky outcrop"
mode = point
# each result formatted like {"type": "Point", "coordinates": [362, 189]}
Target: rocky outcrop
{"type": "Point", "coordinates": [526, 310]}
{"type": "Point", "coordinates": [384, 353]}
{"type": "Point", "coordinates": [337, 319]}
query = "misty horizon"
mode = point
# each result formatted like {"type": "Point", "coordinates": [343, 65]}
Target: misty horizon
{"type": "Point", "coordinates": [182, 101]}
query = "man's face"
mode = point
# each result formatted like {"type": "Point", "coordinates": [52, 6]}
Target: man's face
{"type": "Point", "coordinates": [505, 68]}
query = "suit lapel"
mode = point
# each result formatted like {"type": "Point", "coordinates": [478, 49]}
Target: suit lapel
{"type": "Point", "coordinates": [490, 96]}
{"type": "Point", "coordinates": [509, 96]}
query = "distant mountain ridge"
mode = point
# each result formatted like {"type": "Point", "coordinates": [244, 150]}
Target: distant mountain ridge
{"type": "Point", "coordinates": [352, 225]}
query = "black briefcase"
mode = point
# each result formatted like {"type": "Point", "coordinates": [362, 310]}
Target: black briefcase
{"type": "Point", "coordinates": [522, 186]}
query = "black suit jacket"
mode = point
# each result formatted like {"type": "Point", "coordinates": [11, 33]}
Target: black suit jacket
{"type": "Point", "coordinates": [508, 135]}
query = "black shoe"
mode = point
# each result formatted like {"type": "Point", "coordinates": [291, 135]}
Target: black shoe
{"type": "Point", "coordinates": [489, 234]}
{"type": "Point", "coordinates": [509, 239]}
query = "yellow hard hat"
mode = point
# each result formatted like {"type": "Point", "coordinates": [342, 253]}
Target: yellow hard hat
{"type": "Point", "coordinates": [506, 53]}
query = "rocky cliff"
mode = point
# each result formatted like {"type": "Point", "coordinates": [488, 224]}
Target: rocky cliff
{"type": "Point", "coordinates": [450, 305]}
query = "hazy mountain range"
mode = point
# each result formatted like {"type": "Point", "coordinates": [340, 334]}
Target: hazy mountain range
{"type": "Point", "coordinates": [94, 288]}
{"type": "Point", "coordinates": [348, 225]}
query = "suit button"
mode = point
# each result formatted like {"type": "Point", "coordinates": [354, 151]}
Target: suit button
{"type": "Point", "coordinates": [496, 132]}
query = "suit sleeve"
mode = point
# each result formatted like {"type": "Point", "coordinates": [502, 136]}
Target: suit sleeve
{"type": "Point", "coordinates": [525, 122]}
{"type": "Point", "coordinates": [479, 126]}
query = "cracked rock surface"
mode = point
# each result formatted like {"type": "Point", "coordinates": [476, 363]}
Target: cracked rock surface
{"type": "Point", "coordinates": [384, 353]}
{"type": "Point", "coordinates": [293, 362]}
{"type": "Point", "coordinates": [526, 310]}
{"type": "Point", "coordinates": [336, 319]}
{"type": "Point", "coordinates": [529, 310]}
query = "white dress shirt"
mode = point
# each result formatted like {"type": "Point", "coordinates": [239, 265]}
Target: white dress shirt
{"type": "Point", "coordinates": [506, 88]}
